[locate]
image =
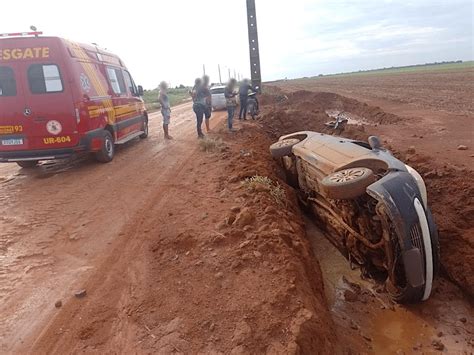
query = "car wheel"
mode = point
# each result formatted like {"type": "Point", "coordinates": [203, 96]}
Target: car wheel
{"type": "Point", "coordinates": [283, 148]}
{"type": "Point", "coordinates": [347, 183]}
{"type": "Point", "coordinates": [107, 152]}
{"type": "Point", "coordinates": [145, 129]}
{"type": "Point", "coordinates": [27, 164]}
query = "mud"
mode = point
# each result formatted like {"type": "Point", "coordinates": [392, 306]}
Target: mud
{"type": "Point", "coordinates": [367, 321]}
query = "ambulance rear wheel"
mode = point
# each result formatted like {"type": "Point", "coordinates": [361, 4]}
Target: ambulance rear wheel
{"type": "Point", "coordinates": [145, 129]}
{"type": "Point", "coordinates": [27, 164]}
{"type": "Point", "coordinates": [107, 152]}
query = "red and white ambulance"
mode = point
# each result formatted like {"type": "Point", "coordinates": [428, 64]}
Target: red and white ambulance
{"type": "Point", "coordinates": [59, 98]}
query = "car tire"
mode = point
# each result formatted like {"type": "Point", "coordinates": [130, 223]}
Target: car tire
{"type": "Point", "coordinates": [348, 183]}
{"type": "Point", "coordinates": [283, 147]}
{"type": "Point", "coordinates": [145, 129]}
{"type": "Point", "coordinates": [107, 151]}
{"type": "Point", "coordinates": [28, 164]}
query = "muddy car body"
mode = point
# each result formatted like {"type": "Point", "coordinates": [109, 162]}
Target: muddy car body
{"type": "Point", "coordinates": [374, 207]}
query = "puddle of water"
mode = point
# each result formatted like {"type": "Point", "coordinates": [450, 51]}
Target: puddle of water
{"type": "Point", "coordinates": [372, 323]}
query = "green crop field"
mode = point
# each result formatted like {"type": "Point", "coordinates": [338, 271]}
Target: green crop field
{"type": "Point", "coordinates": [410, 69]}
{"type": "Point", "coordinates": [176, 96]}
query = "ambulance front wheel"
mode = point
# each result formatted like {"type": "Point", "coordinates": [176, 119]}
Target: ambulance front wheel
{"type": "Point", "coordinates": [107, 152]}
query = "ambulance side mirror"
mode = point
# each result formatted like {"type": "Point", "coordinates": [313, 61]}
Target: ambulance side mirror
{"type": "Point", "coordinates": [140, 90]}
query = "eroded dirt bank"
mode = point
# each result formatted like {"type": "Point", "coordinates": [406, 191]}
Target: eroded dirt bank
{"type": "Point", "coordinates": [450, 188]}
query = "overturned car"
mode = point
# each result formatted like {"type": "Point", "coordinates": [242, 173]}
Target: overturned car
{"type": "Point", "coordinates": [373, 206]}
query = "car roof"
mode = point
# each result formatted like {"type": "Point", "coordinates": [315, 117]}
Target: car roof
{"type": "Point", "coordinates": [218, 87]}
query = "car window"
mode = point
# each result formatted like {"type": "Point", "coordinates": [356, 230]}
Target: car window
{"type": "Point", "coordinates": [129, 82]}
{"type": "Point", "coordinates": [7, 82]}
{"type": "Point", "coordinates": [116, 80]}
{"type": "Point", "coordinates": [217, 91]}
{"type": "Point", "coordinates": [44, 78]}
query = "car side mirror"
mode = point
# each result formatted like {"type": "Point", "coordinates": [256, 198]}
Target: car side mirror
{"type": "Point", "coordinates": [374, 142]}
{"type": "Point", "coordinates": [140, 90]}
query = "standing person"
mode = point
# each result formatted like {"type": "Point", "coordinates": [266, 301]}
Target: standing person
{"type": "Point", "coordinates": [243, 96]}
{"type": "Point", "coordinates": [208, 96]}
{"type": "Point", "coordinates": [231, 102]}
{"type": "Point", "coordinates": [165, 108]}
{"type": "Point", "coordinates": [199, 105]}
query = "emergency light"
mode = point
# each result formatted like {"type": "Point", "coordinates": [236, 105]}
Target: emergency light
{"type": "Point", "coordinates": [21, 34]}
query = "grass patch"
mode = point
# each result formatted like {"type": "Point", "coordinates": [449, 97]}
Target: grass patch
{"type": "Point", "coordinates": [264, 183]}
{"type": "Point", "coordinates": [211, 144]}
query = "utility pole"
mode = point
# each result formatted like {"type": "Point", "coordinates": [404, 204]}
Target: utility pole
{"type": "Point", "coordinates": [235, 75]}
{"type": "Point", "coordinates": [229, 72]}
{"type": "Point", "coordinates": [204, 69]}
{"type": "Point", "coordinates": [219, 68]}
{"type": "Point", "coordinates": [253, 45]}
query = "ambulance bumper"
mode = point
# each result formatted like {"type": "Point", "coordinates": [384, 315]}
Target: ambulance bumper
{"type": "Point", "coordinates": [36, 155]}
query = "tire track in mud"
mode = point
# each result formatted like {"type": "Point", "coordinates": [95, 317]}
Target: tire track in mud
{"type": "Point", "coordinates": [120, 269]}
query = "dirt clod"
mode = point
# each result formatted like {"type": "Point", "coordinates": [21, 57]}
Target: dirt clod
{"type": "Point", "coordinates": [462, 147]}
{"type": "Point", "coordinates": [244, 218]}
{"type": "Point", "coordinates": [438, 345]}
{"type": "Point", "coordinates": [80, 293]}
{"type": "Point", "coordinates": [58, 304]}
{"type": "Point", "coordinates": [350, 296]}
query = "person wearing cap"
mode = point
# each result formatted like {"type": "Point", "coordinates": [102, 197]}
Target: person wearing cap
{"type": "Point", "coordinates": [199, 104]}
{"type": "Point", "coordinates": [231, 102]}
{"type": "Point", "coordinates": [165, 108]}
{"type": "Point", "coordinates": [208, 96]}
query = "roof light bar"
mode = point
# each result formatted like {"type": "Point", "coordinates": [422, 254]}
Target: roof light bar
{"type": "Point", "coordinates": [21, 34]}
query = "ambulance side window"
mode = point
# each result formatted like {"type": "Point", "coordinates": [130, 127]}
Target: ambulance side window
{"type": "Point", "coordinates": [7, 82]}
{"type": "Point", "coordinates": [44, 78]}
{"type": "Point", "coordinates": [129, 83]}
{"type": "Point", "coordinates": [116, 80]}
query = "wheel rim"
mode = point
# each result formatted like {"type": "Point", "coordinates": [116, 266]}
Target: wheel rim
{"type": "Point", "coordinates": [347, 175]}
{"type": "Point", "coordinates": [286, 142]}
{"type": "Point", "coordinates": [109, 147]}
{"type": "Point", "coordinates": [145, 128]}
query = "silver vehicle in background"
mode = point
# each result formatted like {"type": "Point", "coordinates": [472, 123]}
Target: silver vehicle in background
{"type": "Point", "coordinates": [218, 98]}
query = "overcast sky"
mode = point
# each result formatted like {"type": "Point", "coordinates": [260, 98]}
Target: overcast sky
{"type": "Point", "coordinates": [171, 40]}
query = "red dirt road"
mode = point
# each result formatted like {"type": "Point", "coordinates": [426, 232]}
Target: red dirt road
{"type": "Point", "coordinates": [56, 231]}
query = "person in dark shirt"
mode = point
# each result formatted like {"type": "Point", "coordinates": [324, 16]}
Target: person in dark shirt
{"type": "Point", "coordinates": [230, 98]}
{"type": "Point", "coordinates": [243, 96]}
{"type": "Point", "coordinates": [207, 92]}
